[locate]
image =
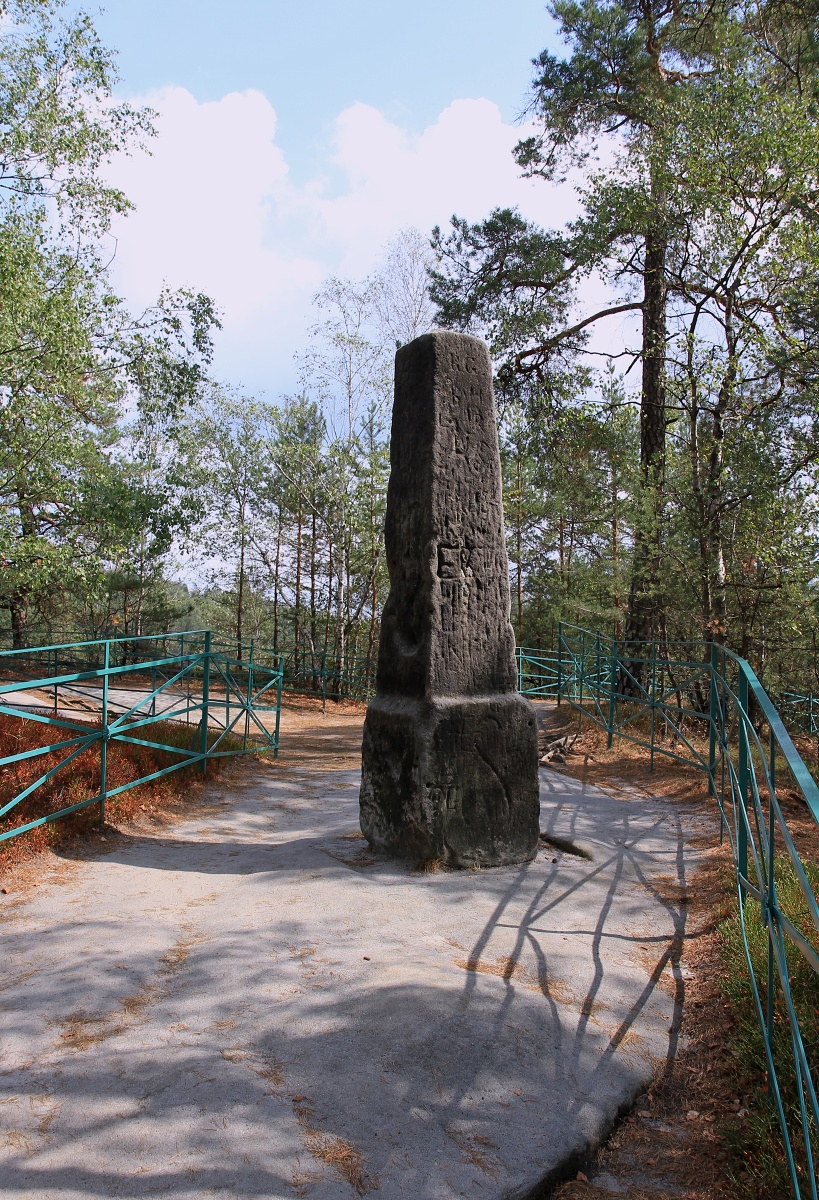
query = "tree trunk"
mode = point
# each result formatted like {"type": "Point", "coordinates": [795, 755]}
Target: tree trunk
{"type": "Point", "coordinates": [241, 596]}
{"type": "Point", "coordinates": [341, 599]}
{"type": "Point", "coordinates": [644, 598]}
{"type": "Point", "coordinates": [519, 552]}
{"type": "Point", "coordinates": [373, 560]}
{"type": "Point", "coordinates": [313, 590]}
{"type": "Point", "coordinates": [329, 612]}
{"type": "Point", "coordinates": [276, 581]}
{"type": "Point", "coordinates": [702, 523]}
{"type": "Point", "coordinates": [561, 546]}
{"type": "Point", "coordinates": [20, 601]}
{"type": "Point", "coordinates": [297, 614]}
{"type": "Point", "coordinates": [18, 608]}
{"type": "Point", "coordinates": [715, 507]}
{"type": "Point", "coordinates": [708, 486]}
{"type": "Point", "coordinates": [373, 622]}
{"type": "Point", "coordinates": [617, 600]}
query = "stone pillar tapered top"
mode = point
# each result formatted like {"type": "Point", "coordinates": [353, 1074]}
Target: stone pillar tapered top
{"type": "Point", "coordinates": [449, 769]}
{"type": "Point", "coordinates": [445, 628]}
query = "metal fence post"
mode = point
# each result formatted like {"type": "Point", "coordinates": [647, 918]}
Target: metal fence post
{"type": "Point", "coordinates": [324, 679]}
{"type": "Point", "coordinates": [203, 736]}
{"type": "Point", "coordinates": [612, 693]}
{"type": "Point", "coordinates": [713, 710]}
{"type": "Point", "coordinates": [559, 660]}
{"type": "Point", "coordinates": [742, 831]}
{"type": "Point", "coordinates": [582, 673]}
{"type": "Point", "coordinates": [249, 694]}
{"type": "Point", "coordinates": [188, 690]}
{"type": "Point", "coordinates": [279, 683]}
{"type": "Point", "coordinates": [769, 1005]}
{"type": "Point", "coordinates": [105, 733]}
{"type": "Point", "coordinates": [520, 670]}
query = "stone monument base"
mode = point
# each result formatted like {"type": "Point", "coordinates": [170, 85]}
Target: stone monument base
{"type": "Point", "coordinates": [452, 778]}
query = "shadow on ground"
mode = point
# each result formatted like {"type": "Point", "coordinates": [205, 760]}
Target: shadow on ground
{"type": "Point", "coordinates": [256, 1004]}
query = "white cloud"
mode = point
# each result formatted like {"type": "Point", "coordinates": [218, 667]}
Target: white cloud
{"type": "Point", "coordinates": [463, 163]}
{"type": "Point", "coordinates": [216, 210]}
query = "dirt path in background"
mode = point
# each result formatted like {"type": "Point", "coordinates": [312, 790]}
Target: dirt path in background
{"type": "Point", "coordinates": [328, 740]}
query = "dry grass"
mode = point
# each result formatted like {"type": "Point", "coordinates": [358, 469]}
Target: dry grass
{"type": "Point", "coordinates": [477, 1150]}
{"type": "Point", "coordinates": [427, 866]}
{"type": "Point", "coordinates": [334, 1151]}
{"type": "Point", "coordinates": [80, 780]}
{"type": "Point", "coordinates": [81, 1030]}
{"type": "Point", "coordinates": [265, 1066]}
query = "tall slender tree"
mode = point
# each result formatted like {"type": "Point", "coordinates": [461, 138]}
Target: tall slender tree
{"type": "Point", "coordinates": [703, 195]}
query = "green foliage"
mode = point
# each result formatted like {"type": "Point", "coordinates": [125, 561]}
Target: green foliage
{"type": "Point", "coordinates": [293, 494]}
{"type": "Point", "coordinates": [570, 483]}
{"type": "Point", "coordinates": [759, 1139]}
{"type": "Point", "coordinates": [696, 125]}
{"type": "Point", "coordinates": [513, 283]}
{"type": "Point", "coordinates": [58, 123]}
{"type": "Point", "coordinates": [81, 498]}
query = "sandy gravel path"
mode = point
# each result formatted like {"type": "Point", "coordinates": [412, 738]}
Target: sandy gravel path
{"type": "Point", "coordinates": [249, 1003]}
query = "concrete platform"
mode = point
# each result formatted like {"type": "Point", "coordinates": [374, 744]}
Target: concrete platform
{"type": "Point", "coordinates": [252, 1004]}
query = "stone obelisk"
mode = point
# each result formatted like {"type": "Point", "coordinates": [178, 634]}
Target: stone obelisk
{"type": "Point", "coordinates": [449, 758]}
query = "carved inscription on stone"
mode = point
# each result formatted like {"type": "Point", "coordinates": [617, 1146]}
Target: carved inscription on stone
{"type": "Point", "coordinates": [455, 575]}
{"type": "Point", "coordinates": [449, 562]}
{"type": "Point", "coordinates": [450, 748]}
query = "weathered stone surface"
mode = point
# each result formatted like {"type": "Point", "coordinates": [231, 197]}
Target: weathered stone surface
{"type": "Point", "coordinates": [449, 762]}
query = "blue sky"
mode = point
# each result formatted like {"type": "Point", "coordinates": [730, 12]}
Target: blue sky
{"type": "Point", "coordinates": [295, 140]}
{"type": "Point", "coordinates": [315, 58]}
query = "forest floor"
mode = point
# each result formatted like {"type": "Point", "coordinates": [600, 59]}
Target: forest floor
{"type": "Point", "coordinates": [684, 1136]}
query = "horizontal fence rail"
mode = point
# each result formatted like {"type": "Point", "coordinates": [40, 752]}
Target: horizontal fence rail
{"type": "Point", "coordinates": [329, 675]}
{"type": "Point", "coordinates": [703, 705]}
{"type": "Point", "coordinates": [332, 674]}
{"type": "Point", "coordinates": [182, 697]}
{"type": "Point", "coordinates": [800, 711]}
{"type": "Point", "coordinates": [538, 673]}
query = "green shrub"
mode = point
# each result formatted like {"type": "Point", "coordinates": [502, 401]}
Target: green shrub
{"type": "Point", "coordinates": [760, 1139]}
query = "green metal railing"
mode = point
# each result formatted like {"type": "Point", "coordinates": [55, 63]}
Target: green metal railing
{"type": "Point", "coordinates": [324, 673]}
{"type": "Point", "coordinates": [328, 675]}
{"type": "Point", "coordinates": [538, 674]}
{"type": "Point", "coordinates": [703, 705]}
{"type": "Point", "coordinates": [801, 710]}
{"type": "Point", "coordinates": [219, 705]}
